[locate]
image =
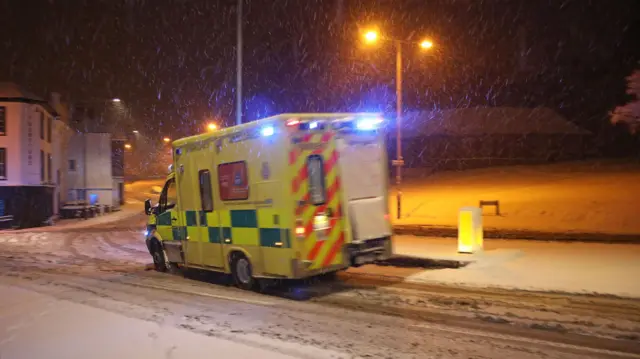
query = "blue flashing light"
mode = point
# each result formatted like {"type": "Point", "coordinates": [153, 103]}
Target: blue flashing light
{"type": "Point", "coordinates": [368, 124]}
{"type": "Point", "coordinates": [146, 233]}
{"type": "Point", "coordinates": [313, 125]}
{"type": "Point", "coordinates": [267, 131]}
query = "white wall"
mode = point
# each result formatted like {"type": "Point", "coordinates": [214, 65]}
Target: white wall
{"type": "Point", "coordinates": [98, 167]}
{"type": "Point", "coordinates": [61, 136]}
{"type": "Point", "coordinates": [31, 172]}
{"type": "Point", "coordinates": [75, 177]}
{"type": "Point", "coordinates": [12, 141]}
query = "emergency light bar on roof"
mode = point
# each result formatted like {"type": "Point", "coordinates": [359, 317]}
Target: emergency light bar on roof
{"type": "Point", "coordinates": [358, 123]}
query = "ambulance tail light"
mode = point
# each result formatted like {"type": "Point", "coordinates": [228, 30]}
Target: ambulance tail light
{"type": "Point", "coordinates": [300, 230]}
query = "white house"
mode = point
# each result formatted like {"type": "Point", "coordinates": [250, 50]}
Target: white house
{"type": "Point", "coordinates": [44, 163]}
{"type": "Point", "coordinates": [27, 172]}
{"type": "Point", "coordinates": [91, 174]}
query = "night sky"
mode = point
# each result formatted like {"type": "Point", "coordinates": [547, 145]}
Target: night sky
{"type": "Point", "coordinates": [173, 62]}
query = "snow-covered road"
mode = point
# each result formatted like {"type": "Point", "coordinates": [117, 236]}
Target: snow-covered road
{"type": "Point", "coordinates": [90, 293]}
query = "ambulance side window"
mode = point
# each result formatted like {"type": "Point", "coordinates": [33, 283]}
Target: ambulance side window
{"type": "Point", "coordinates": [315, 172]}
{"type": "Point", "coordinates": [206, 197]}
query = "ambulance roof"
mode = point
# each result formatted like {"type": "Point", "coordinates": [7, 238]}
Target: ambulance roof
{"type": "Point", "coordinates": [261, 122]}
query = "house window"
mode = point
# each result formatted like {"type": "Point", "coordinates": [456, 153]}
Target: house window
{"type": "Point", "coordinates": [3, 121]}
{"type": "Point", "coordinates": [41, 124]}
{"type": "Point", "coordinates": [72, 165]}
{"type": "Point", "coordinates": [233, 181]}
{"type": "Point", "coordinates": [41, 166]}
{"type": "Point", "coordinates": [49, 129]}
{"type": "Point", "coordinates": [49, 169]}
{"type": "Point", "coordinates": [3, 163]}
{"type": "Point", "coordinates": [206, 197]}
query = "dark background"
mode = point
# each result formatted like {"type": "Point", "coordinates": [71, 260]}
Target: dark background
{"type": "Point", "coordinates": [173, 62]}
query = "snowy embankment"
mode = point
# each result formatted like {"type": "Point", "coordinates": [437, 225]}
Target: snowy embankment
{"type": "Point", "coordinates": [584, 197]}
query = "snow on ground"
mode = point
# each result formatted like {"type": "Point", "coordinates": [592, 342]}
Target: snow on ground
{"type": "Point", "coordinates": [55, 328]}
{"type": "Point", "coordinates": [532, 265]}
{"type": "Point", "coordinates": [589, 197]}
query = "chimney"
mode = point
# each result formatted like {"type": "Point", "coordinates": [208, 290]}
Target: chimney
{"type": "Point", "coordinates": [55, 100]}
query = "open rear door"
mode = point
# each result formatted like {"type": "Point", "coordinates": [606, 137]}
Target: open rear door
{"type": "Point", "coordinates": [363, 170]}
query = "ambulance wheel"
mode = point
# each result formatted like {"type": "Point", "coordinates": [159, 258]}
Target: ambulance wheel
{"type": "Point", "coordinates": [159, 263]}
{"type": "Point", "coordinates": [241, 272]}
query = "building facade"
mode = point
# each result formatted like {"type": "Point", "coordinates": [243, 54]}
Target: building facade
{"type": "Point", "coordinates": [467, 138]}
{"type": "Point", "coordinates": [93, 173]}
{"type": "Point", "coordinates": [46, 162]}
{"type": "Point", "coordinates": [27, 171]}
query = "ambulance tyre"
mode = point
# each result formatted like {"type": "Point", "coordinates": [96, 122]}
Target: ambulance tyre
{"type": "Point", "coordinates": [241, 272]}
{"type": "Point", "coordinates": [159, 263]}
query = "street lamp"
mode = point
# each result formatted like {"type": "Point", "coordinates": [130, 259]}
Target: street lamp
{"type": "Point", "coordinates": [115, 99]}
{"type": "Point", "coordinates": [166, 140]}
{"type": "Point", "coordinates": [127, 146]}
{"type": "Point", "coordinates": [371, 37]}
{"type": "Point", "coordinates": [426, 44]}
{"type": "Point", "coordinates": [212, 127]}
{"type": "Point", "coordinates": [136, 132]}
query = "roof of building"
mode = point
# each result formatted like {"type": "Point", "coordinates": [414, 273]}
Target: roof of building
{"type": "Point", "coordinates": [12, 92]}
{"type": "Point", "coordinates": [487, 121]}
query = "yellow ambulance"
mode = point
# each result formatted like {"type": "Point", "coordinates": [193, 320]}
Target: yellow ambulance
{"type": "Point", "coordinates": [289, 196]}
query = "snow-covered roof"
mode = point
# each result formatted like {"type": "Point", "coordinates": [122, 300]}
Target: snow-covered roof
{"type": "Point", "coordinates": [15, 91]}
{"type": "Point", "coordinates": [10, 91]}
{"type": "Point", "coordinates": [487, 121]}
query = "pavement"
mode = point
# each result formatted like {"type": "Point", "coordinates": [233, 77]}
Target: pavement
{"type": "Point", "coordinates": [131, 208]}
{"type": "Point", "coordinates": [587, 268]}
{"type": "Point", "coordinates": [400, 227]}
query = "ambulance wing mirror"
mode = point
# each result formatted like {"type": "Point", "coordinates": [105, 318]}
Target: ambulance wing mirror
{"type": "Point", "coordinates": [147, 206]}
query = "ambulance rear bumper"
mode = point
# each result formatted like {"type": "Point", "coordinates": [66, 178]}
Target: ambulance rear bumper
{"type": "Point", "coordinates": [369, 251]}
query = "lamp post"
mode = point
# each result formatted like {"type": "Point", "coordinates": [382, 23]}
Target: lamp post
{"type": "Point", "coordinates": [239, 63]}
{"type": "Point", "coordinates": [372, 37]}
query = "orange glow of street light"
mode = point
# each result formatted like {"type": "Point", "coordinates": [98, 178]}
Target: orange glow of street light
{"type": "Point", "coordinates": [127, 146]}
{"type": "Point", "coordinates": [426, 44]}
{"type": "Point", "coordinates": [166, 139]}
{"type": "Point", "coordinates": [371, 36]}
{"type": "Point", "coordinates": [212, 127]}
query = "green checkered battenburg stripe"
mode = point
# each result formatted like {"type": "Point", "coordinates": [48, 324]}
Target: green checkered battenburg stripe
{"type": "Point", "coordinates": [241, 223]}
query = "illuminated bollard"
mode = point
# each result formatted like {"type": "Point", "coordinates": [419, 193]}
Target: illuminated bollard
{"type": "Point", "coordinates": [470, 235]}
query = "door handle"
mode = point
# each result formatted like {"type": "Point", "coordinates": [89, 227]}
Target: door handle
{"type": "Point", "coordinates": [173, 219]}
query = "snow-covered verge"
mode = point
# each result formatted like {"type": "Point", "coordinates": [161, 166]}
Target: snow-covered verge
{"type": "Point", "coordinates": [584, 197]}
{"type": "Point", "coordinates": [586, 268]}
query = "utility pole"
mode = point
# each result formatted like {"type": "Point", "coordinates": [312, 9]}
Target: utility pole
{"type": "Point", "coordinates": [239, 64]}
{"type": "Point", "coordinates": [399, 160]}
